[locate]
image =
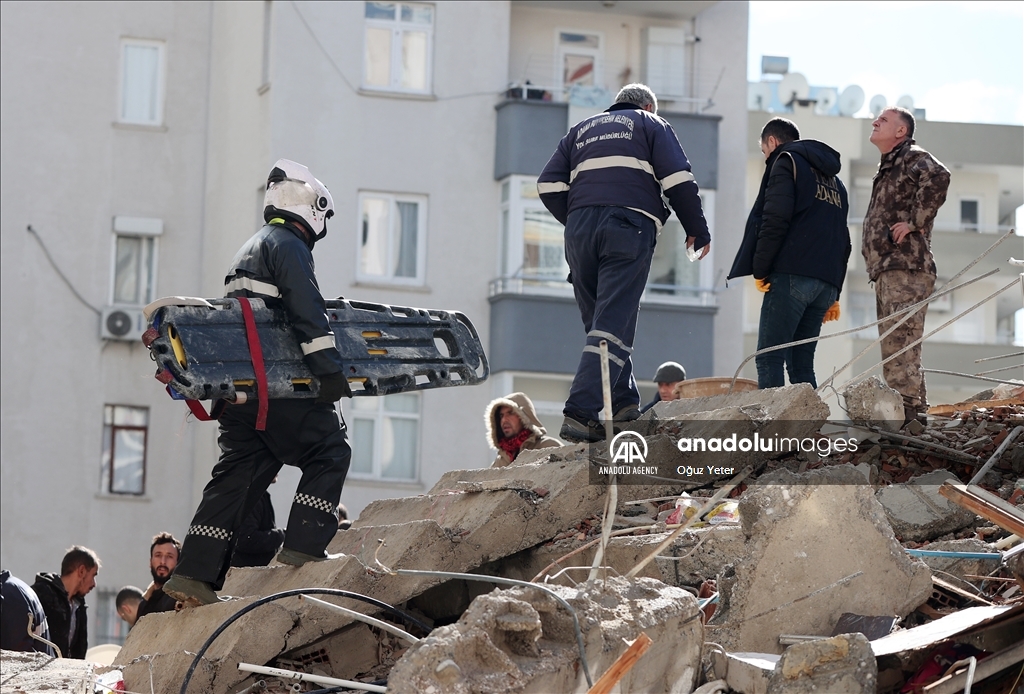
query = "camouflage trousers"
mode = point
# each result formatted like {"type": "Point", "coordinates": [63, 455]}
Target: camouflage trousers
{"type": "Point", "coordinates": [895, 290]}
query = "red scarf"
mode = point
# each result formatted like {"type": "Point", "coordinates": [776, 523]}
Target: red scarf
{"type": "Point", "coordinates": [512, 445]}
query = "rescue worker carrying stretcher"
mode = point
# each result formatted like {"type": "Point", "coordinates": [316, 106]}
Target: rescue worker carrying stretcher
{"type": "Point", "coordinates": [276, 265]}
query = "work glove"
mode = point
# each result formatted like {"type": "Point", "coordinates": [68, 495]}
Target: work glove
{"type": "Point", "coordinates": [762, 285]}
{"type": "Point", "coordinates": [333, 387]}
{"type": "Point", "coordinates": [832, 313]}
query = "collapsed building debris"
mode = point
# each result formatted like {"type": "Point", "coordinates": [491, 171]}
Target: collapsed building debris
{"type": "Point", "coordinates": [769, 588]}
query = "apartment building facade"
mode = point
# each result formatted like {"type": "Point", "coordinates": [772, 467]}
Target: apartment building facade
{"type": "Point", "coordinates": [151, 128]}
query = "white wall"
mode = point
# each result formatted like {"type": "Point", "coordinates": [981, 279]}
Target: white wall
{"type": "Point", "coordinates": [67, 170]}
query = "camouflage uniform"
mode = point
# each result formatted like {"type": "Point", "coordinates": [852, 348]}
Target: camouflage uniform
{"type": "Point", "coordinates": [910, 187]}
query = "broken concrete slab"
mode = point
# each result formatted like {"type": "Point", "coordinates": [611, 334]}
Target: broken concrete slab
{"type": "Point", "coordinates": [806, 535]}
{"type": "Point", "coordinates": [872, 402]}
{"type": "Point", "coordinates": [839, 665]}
{"type": "Point", "coordinates": [37, 673]}
{"type": "Point", "coordinates": [469, 518]}
{"type": "Point", "coordinates": [747, 673]}
{"type": "Point", "coordinates": [522, 640]}
{"type": "Point", "coordinates": [918, 512]}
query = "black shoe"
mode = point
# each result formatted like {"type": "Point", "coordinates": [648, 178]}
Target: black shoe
{"type": "Point", "coordinates": [190, 591]}
{"type": "Point", "coordinates": [629, 413]}
{"type": "Point", "coordinates": [581, 430]}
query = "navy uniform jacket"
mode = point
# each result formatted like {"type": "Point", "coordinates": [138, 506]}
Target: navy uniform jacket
{"type": "Point", "coordinates": [276, 265]}
{"type": "Point", "coordinates": [625, 157]}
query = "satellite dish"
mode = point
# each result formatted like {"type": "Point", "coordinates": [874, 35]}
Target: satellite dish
{"type": "Point", "coordinates": [827, 100]}
{"type": "Point", "coordinates": [877, 105]}
{"type": "Point", "coordinates": [793, 86]}
{"type": "Point", "coordinates": [759, 96]}
{"type": "Point", "coordinates": [906, 101]}
{"type": "Point", "coordinates": [851, 100]}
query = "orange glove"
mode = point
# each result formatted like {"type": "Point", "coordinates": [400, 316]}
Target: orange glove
{"type": "Point", "coordinates": [762, 285]}
{"type": "Point", "coordinates": [832, 313]}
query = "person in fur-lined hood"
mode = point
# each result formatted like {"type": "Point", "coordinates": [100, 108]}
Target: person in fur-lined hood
{"type": "Point", "coordinates": [512, 426]}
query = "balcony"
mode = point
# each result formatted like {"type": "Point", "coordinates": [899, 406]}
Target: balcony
{"type": "Point", "coordinates": [665, 331]}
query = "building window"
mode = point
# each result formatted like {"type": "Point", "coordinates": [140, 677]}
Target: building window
{"type": "Point", "coordinates": [533, 248]}
{"type": "Point", "coordinates": [579, 59]}
{"type": "Point", "coordinates": [142, 82]}
{"type": "Point", "coordinates": [399, 47]}
{"type": "Point", "coordinates": [107, 626]}
{"type": "Point", "coordinates": [385, 436]}
{"type": "Point", "coordinates": [532, 240]}
{"type": "Point", "coordinates": [123, 460]}
{"type": "Point", "coordinates": [133, 270]}
{"type": "Point", "coordinates": [970, 214]}
{"type": "Point", "coordinates": [392, 238]}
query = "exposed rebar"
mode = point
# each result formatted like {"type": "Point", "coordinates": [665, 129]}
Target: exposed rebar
{"type": "Point", "coordinates": [995, 456]}
{"type": "Point", "coordinates": [976, 377]}
{"type": "Point", "coordinates": [1001, 356]}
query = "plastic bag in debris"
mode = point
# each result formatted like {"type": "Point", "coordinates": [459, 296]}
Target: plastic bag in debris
{"type": "Point", "coordinates": [686, 507]}
{"type": "Point", "coordinates": [112, 681]}
{"type": "Point", "coordinates": [725, 512]}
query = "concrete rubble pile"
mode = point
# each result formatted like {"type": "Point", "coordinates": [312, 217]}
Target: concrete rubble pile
{"type": "Point", "coordinates": [809, 582]}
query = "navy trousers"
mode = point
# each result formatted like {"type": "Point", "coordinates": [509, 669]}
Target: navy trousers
{"type": "Point", "coordinates": [303, 433]}
{"type": "Point", "coordinates": [792, 310]}
{"type": "Point", "coordinates": [609, 251]}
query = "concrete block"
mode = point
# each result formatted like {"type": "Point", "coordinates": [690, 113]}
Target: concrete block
{"type": "Point", "coordinates": [36, 673]}
{"type": "Point", "coordinates": [522, 640]}
{"type": "Point", "coordinates": [838, 665]}
{"type": "Point", "coordinates": [805, 532]}
{"type": "Point", "coordinates": [746, 673]}
{"type": "Point", "coordinates": [873, 402]}
{"type": "Point", "coordinates": [918, 512]}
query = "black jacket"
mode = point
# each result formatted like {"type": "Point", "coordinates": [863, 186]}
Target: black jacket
{"type": "Point", "coordinates": [54, 598]}
{"type": "Point", "coordinates": [276, 265]}
{"type": "Point", "coordinates": [159, 601]}
{"type": "Point", "coordinates": [797, 225]}
{"type": "Point", "coordinates": [17, 601]}
{"type": "Point", "coordinates": [258, 539]}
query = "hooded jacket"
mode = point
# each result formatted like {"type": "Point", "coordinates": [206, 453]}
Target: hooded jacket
{"type": "Point", "coordinates": [18, 600]}
{"type": "Point", "coordinates": [910, 187]}
{"type": "Point", "coordinates": [54, 598]}
{"type": "Point", "coordinates": [798, 225]}
{"type": "Point", "coordinates": [523, 407]}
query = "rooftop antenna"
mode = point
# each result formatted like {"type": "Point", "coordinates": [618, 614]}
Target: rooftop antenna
{"type": "Point", "coordinates": [759, 96]}
{"type": "Point", "coordinates": [851, 100]}
{"type": "Point", "coordinates": [827, 99]}
{"type": "Point", "coordinates": [906, 101]}
{"type": "Point", "coordinates": [793, 87]}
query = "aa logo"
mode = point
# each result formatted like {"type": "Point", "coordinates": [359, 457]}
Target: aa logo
{"type": "Point", "coordinates": [629, 447]}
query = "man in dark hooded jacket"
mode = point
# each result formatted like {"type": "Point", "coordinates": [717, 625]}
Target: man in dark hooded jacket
{"type": "Point", "coordinates": [796, 245]}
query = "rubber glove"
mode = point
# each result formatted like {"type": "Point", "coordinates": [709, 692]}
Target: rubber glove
{"type": "Point", "coordinates": [333, 387]}
{"type": "Point", "coordinates": [762, 285]}
{"type": "Point", "coordinates": [832, 313]}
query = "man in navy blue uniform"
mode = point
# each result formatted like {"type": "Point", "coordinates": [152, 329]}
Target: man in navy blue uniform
{"type": "Point", "coordinates": [605, 183]}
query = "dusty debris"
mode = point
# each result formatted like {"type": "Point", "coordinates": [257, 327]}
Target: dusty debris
{"type": "Point", "coordinates": [521, 640]}
{"type": "Point", "coordinates": [36, 673]}
{"type": "Point", "coordinates": [793, 526]}
{"type": "Point", "coordinates": [916, 510]}
{"type": "Point", "coordinates": [838, 665]}
{"type": "Point", "coordinates": [872, 402]}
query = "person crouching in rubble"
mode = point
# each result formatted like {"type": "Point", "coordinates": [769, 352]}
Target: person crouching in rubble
{"type": "Point", "coordinates": [512, 427]}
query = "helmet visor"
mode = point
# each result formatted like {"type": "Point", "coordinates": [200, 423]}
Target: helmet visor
{"type": "Point", "coordinates": [290, 193]}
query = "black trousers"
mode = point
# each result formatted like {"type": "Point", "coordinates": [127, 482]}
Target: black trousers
{"type": "Point", "coordinates": [303, 433]}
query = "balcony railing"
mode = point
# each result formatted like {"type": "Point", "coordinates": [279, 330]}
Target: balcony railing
{"type": "Point", "coordinates": [551, 285]}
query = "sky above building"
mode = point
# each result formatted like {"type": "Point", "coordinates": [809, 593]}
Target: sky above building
{"type": "Point", "coordinates": [961, 61]}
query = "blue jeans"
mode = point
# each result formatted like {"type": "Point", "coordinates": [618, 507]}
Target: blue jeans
{"type": "Point", "coordinates": [609, 251]}
{"type": "Point", "coordinates": [792, 310]}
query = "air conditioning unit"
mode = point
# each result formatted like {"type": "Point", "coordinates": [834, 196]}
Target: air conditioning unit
{"type": "Point", "coordinates": [121, 323]}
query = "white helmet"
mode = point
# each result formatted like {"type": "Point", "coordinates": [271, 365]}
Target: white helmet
{"type": "Point", "coordinates": [293, 193]}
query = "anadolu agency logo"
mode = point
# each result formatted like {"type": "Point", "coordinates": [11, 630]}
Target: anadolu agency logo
{"type": "Point", "coordinates": [628, 456]}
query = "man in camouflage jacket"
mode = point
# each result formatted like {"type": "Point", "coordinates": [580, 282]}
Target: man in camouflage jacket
{"type": "Point", "coordinates": [908, 190]}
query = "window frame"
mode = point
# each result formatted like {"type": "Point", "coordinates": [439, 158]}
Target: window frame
{"type": "Point", "coordinates": [511, 240]}
{"type": "Point", "coordinates": [161, 80]}
{"type": "Point", "coordinates": [596, 53]}
{"type": "Point", "coordinates": [398, 27]}
{"type": "Point", "coordinates": [155, 239]}
{"type": "Point", "coordinates": [421, 239]}
{"type": "Point", "coordinates": [377, 417]}
{"type": "Point", "coordinates": [107, 476]}
{"type": "Point", "coordinates": [979, 226]}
